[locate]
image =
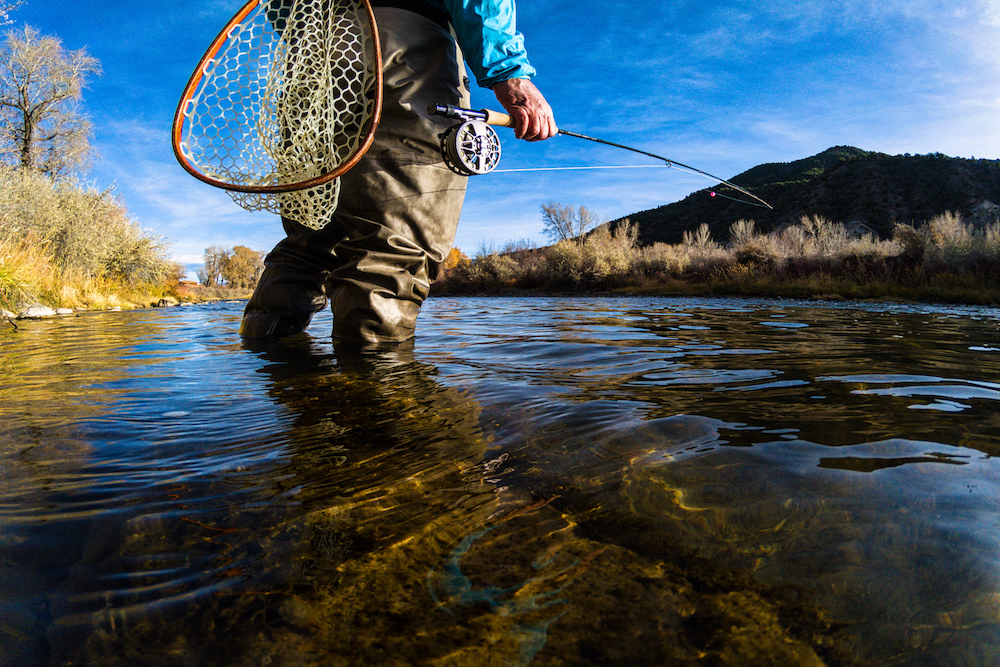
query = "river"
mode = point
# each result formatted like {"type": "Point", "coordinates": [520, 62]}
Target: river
{"type": "Point", "coordinates": [544, 481]}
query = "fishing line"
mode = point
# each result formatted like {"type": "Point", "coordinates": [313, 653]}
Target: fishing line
{"type": "Point", "coordinates": [719, 194]}
{"type": "Point", "coordinates": [669, 165]}
{"type": "Point", "coordinates": [712, 193]}
{"type": "Point", "coordinates": [607, 166]}
{"type": "Point", "coordinates": [472, 147]}
{"type": "Point", "coordinates": [680, 166]}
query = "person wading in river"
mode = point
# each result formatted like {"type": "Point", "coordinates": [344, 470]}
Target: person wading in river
{"type": "Point", "coordinates": [399, 207]}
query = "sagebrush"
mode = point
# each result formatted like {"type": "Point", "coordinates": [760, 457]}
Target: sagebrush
{"type": "Point", "coordinates": [61, 241]}
{"type": "Point", "coordinates": [945, 258]}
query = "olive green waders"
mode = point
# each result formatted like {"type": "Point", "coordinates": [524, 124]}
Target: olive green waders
{"type": "Point", "coordinates": [399, 207]}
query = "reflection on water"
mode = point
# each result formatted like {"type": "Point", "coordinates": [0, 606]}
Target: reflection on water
{"type": "Point", "coordinates": [535, 481]}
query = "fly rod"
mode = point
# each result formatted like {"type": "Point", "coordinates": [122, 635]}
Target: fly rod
{"type": "Point", "coordinates": [472, 147]}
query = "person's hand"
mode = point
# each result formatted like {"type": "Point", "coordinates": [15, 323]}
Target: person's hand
{"type": "Point", "coordinates": [531, 113]}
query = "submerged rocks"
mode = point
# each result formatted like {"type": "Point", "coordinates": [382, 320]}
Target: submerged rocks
{"type": "Point", "coordinates": [36, 312]}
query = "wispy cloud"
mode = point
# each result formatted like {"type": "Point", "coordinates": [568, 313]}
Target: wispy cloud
{"type": "Point", "coordinates": [164, 198]}
{"type": "Point", "coordinates": [989, 12]}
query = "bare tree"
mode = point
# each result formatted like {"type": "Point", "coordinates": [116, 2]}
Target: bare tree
{"type": "Point", "coordinates": [557, 221]}
{"type": "Point", "coordinates": [41, 84]}
{"type": "Point", "coordinates": [211, 273]}
{"type": "Point", "coordinates": [562, 223]}
{"type": "Point", "coordinates": [6, 8]}
{"type": "Point", "coordinates": [586, 220]}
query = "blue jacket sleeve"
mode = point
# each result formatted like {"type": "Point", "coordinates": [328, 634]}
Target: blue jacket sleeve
{"type": "Point", "coordinates": [488, 35]}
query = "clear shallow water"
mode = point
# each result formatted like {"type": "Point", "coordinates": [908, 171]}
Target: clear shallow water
{"type": "Point", "coordinates": [536, 481]}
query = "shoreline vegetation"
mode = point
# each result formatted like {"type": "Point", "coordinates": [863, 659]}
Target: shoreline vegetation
{"type": "Point", "coordinates": [72, 248]}
{"type": "Point", "coordinates": [64, 245]}
{"type": "Point", "coordinates": [69, 247]}
{"type": "Point", "coordinates": [945, 260]}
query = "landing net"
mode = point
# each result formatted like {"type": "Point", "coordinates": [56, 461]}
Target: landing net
{"type": "Point", "coordinates": [286, 100]}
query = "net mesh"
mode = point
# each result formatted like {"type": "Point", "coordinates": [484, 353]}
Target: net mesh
{"type": "Point", "coordinates": [287, 98]}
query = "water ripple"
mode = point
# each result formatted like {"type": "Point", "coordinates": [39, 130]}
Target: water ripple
{"type": "Point", "coordinates": [161, 481]}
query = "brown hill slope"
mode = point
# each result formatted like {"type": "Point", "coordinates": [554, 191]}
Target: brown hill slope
{"type": "Point", "coordinates": [841, 184]}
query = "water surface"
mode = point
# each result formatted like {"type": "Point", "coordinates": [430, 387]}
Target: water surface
{"type": "Point", "coordinates": [535, 481]}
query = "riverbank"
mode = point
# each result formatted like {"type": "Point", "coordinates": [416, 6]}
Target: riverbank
{"type": "Point", "coordinates": [66, 245]}
{"type": "Point", "coordinates": [954, 290]}
{"type": "Point", "coordinates": [944, 261]}
{"type": "Point", "coordinates": [121, 300]}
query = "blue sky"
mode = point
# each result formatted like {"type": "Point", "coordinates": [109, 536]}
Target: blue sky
{"type": "Point", "coordinates": [722, 86]}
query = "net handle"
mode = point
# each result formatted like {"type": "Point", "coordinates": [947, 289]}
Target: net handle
{"type": "Point", "coordinates": [177, 131]}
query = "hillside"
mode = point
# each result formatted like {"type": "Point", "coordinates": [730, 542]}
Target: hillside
{"type": "Point", "coordinates": [841, 184]}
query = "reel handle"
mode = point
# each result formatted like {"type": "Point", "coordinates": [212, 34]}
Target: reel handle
{"type": "Point", "coordinates": [487, 116]}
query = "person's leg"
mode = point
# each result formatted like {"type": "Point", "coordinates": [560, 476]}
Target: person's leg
{"type": "Point", "coordinates": [401, 202]}
{"type": "Point", "coordinates": [292, 287]}
{"type": "Point", "coordinates": [398, 209]}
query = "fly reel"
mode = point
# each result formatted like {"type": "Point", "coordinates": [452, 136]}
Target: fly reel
{"type": "Point", "coordinates": [471, 148]}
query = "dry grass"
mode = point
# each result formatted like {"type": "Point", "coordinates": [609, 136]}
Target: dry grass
{"type": "Point", "coordinates": [68, 245]}
{"type": "Point", "coordinates": [945, 259]}
{"type": "Point", "coordinates": [25, 272]}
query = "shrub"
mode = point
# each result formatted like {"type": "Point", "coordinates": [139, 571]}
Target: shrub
{"type": "Point", "coordinates": [85, 237]}
{"type": "Point", "coordinates": [85, 232]}
{"type": "Point", "coordinates": [945, 259]}
{"type": "Point", "coordinates": [607, 253]}
{"type": "Point", "coordinates": [742, 233]}
{"type": "Point", "coordinates": [757, 258]}
{"type": "Point", "coordinates": [910, 241]}
{"type": "Point", "coordinates": [990, 242]}
{"type": "Point", "coordinates": [948, 240]}
{"type": "Point", "coordinates": [702, 238]}
{"type": "Point", "coordinates": [486, 272]}
{"type": "Point", "coordinates": [564, 262]}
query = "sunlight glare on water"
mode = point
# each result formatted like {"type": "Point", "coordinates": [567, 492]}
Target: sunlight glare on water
{"type": "Point", "coordinates": [614, 481]}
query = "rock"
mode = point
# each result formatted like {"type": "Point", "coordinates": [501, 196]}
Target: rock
{"type": "Point", "coordinates": [300, 615]}
{"type": "Point", "coordinates": [984, 213]}
{"type": "Point", "coordinates": [167, 302]}
{"type": "Point", "coordinates": [64, 311]}
{"type": "Point", "coordinates": [36, 312]}
{"type": "Point", "coordinates": [858, 229]}
{"type": "Point", "coordinates": [7, 314]}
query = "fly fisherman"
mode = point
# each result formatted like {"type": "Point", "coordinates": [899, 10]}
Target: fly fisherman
{"type": "Point", "coordinates": [399, 206]}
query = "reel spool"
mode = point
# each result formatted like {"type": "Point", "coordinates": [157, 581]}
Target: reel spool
{"type": "Point", "coordinates": [471, 148]}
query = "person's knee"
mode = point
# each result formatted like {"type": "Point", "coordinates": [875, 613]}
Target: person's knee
{"type": "Point", "coordinates": [373, 315]}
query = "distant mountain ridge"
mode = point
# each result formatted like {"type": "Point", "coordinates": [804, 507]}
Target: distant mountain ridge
{"type": "Point", "coordinates": [842, 184]}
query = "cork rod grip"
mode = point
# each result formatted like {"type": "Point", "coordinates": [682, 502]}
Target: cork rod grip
{"type": "Point", "coordinates": [498, 118]}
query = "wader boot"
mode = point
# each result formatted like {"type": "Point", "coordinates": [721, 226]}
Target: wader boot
{"type": "Point", "coordinates": [292, 287]}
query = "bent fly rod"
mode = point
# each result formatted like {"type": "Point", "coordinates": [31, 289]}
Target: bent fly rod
{"type": "Point", "coordinates": [473, 147]}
